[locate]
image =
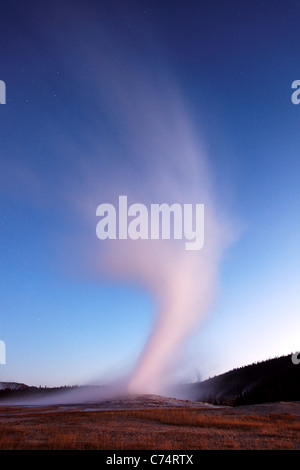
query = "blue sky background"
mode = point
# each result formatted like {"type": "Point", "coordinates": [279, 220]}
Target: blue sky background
{"type": "Point", "coordinates": [65, 65]}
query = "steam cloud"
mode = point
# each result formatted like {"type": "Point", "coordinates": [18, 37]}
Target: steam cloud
{"type": "Point", "coordinates": [158, 159]}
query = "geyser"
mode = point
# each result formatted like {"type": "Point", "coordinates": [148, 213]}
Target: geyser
{"type": "Point", "coordinates": [157, 159]}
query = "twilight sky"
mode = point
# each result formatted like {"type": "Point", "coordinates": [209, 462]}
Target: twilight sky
{"type": "Point", "coordinates": [164, 102]}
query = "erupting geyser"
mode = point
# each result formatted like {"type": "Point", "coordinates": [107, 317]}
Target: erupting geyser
{"type": "Point", "coordinates": [168, 165]}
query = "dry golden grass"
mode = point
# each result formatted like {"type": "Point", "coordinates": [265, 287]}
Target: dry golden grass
{"type": "Point", "coordinates": [150, 429]}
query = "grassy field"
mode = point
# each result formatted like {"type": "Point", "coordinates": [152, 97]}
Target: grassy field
{"type": "Point", "coordinates": [150, 429]}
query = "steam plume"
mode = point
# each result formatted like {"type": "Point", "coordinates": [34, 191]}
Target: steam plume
{"type": "Point", "coordinates": [166, 164]}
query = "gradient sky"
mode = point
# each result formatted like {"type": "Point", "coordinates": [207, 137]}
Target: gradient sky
{"type": "Point", "coordinates": [69, 68]}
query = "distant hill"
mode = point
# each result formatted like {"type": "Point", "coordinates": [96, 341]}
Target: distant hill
{"type": "Point", "coordinates": [18, 393]}
{"type": "Point", "coordinates": [12, 386]}
{"type": "Point", "coordinates": [17, 390]}
{"type": "Point", "coordinates": [272, 380]}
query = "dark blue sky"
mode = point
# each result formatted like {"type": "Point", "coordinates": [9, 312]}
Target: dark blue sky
{"type": "Point", "coordinates": [78, 75]}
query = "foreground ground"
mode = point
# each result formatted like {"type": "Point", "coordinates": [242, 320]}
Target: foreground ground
{"type": "Point", "coordinates": [153, 424]}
